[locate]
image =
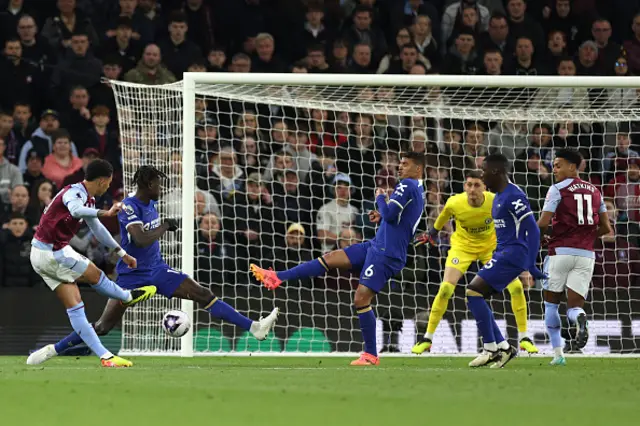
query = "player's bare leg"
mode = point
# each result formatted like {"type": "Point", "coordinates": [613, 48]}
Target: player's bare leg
{"type": "Point", "coordinates": [362, 302]}
{"type": "Point", "coordinates": [577, 316]}
{"type": "Point", "coordinates": [553, 325]}
{"type": "Point", "coordinates": [191, 290]}
{"type": "Point", "coordinates": [336, 259]}
{"type": "Point", "coordinates": [105, 286]}
{"type": "Point", "coordinates": [438, 308]}
{"type": "Point", "coordinates": [496, 352]}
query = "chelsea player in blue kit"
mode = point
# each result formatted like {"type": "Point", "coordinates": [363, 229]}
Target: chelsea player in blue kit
{"type": "Point", "coordinates": [376, 260]}
{"type": "Point", "coordinates": [517, 251]}
{"type": "Point", "coordinates": [141, 228]}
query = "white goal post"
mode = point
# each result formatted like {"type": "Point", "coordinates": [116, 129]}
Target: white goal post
{"type": "Point", "coordinates": [190, 128]}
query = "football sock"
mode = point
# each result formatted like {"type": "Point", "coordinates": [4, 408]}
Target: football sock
{"type": "Point", "coordinates": [496, 330]}
{"type": "Point", "coordinates": [553, 323]}
{"type": "Point", "coordinates": [439, 307]}
{"type": "Point", "coordinates": [368, 327]}
{"type": "Point", "coordinates": [108, 288]}
{"type": "Point", "coordinates": [313, 268]}
{"type": "Point", "coordinates": [519, 307]}
{"type": "Point", "coordinates": [70, 341]}
{"type": "Point", "coordinates": [572, 314]}
{"type": "Point", "coordinates": [484, 318]}
{"type": "Point", "coordinates": [222, 310]}
{"type": "Point", "coordinates": [81, 325]}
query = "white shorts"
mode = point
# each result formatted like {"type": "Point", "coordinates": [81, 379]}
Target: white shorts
{"type": "Point", "coordinates": [568, 271]}
{"type": "Point", "coordinates": [57, 267]}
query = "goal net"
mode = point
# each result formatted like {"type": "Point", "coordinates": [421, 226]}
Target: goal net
{"type": "Point", "coordinates": [278, 169]}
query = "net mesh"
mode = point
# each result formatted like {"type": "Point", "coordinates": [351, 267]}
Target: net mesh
{"type": "Point", "coordinates": [267, 158]}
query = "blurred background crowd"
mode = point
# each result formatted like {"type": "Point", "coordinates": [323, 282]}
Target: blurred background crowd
{"type": "Point", "coordinates": [281, 185]}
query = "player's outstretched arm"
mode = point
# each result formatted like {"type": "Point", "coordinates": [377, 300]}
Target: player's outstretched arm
{"type": "Point", "coordinates": [530, 227]}
{"type": "Point", "coordinates": [75, 205]}
{"type": "Point", "coordinates": [142, 238]}
{"type": "Point", "coordinates": [104, 236]}
{"type": "Point", "coordinates": [392, 211]}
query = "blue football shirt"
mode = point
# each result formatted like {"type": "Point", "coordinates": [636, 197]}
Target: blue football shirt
{"type": "Point", "coordinates": [509, 209]}
{"type": "Point", "coordinates": [135, 211]}
{"type": "Point", "coordinates": [392, 239]}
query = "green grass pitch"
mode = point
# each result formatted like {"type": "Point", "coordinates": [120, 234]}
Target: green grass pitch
{"type": "Point", "coordinates": [267, 391]}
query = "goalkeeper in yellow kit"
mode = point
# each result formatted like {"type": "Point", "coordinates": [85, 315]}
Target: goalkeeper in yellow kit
{"type": "Point", "coordinates": [474, 239]}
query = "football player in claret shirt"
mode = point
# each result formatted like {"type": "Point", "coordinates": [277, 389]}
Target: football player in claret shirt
{"type": "Point", "coordinates": [376, 260]}
{"type": "Point", "coordinates": [517, 251]}
{"type": "Point", "coordinates": [578, 215]}
{"type": "Point", "coordinates": [60, 266]}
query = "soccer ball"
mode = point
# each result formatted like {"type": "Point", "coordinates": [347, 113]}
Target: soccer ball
{"type": "Point", "coordinates": [176, 323]}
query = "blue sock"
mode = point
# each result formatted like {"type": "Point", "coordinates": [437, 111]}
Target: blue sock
{"type": "Point", "coordinates": [219, 309]}
{"type": "Point", "coordinates": [108, 288]}
{"type": "Point", "coordinates": [313, 268]}
{"type": "Point", "coordinates": [484, 318]}
{"type": "Point", "coordinates": [496, 332]}
{"type": "Point", "coordinates": [368, 327]}
{"type": "Point", "coordinates": [572, 314]}
{"type": "Point", "coordinates": [81, 325]}
{"type": "Point", "coordinates": [70, 341]}
{"type": "Point", "coordinates": [553, 323]}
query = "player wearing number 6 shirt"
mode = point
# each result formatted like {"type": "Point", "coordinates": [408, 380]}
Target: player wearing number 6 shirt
{"type": "Point", "coordinates": [578, 216]}
{"type": "Point", "coordinates": [517, 250]}
{"type": "Point", "coordinates": [376, 260]}
{"type": "Point", "coordinates": [60, 266]}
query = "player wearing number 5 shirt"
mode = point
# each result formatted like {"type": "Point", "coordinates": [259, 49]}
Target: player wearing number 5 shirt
{"type": "Point", "coordinates": [577, 213]}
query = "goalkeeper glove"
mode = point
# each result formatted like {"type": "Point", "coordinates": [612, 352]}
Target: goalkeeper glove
{"type": "Point", "coordinates": [430, 238]}
{"type": "Point", "coordinates": [173, 224]}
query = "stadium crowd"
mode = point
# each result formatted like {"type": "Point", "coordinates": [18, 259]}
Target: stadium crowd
{"type": "Point", "coordinates": [282, 185]}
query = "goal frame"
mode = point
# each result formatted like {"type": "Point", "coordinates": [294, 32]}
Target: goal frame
{"type": "Point", "coordinates": [189, 91]}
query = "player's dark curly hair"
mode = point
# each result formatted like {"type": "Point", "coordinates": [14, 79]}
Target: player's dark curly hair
{"type": "Point", "coordinates": [145, 174]}
{"type": "Point", "coordinates": [571, 155]}
{"type": "Point", "coordinates": [97, 169]}
{"type": "Point", "coordinates": [417, 157]}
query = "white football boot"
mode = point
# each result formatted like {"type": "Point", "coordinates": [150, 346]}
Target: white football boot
{"type": "Point", "coordinates": [264, 325]}
{"type": "Point", "coordinates": [42, 355]}
{"type": "Point", "coordinates": [485, 358]}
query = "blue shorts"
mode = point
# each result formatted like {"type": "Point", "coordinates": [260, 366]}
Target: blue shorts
{"type": "Point", "coordinates": [499, 272]}
{"type": "Point", "coordinates": [166, 279]}
{"type": "Point", "coordinates": [375, 269]}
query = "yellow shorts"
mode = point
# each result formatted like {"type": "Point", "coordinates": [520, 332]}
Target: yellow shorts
{"type": "Point", "coordinates": [461, 260]}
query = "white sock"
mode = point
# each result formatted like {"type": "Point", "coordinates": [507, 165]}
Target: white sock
{"type": "Point", "coordinates": [129, 298]}
{"type": "Point", "coordinates": [523, 335]}
{"type": "Point", "coordinates": [504, 345]}
{"type": "Point", "coordinates": [107, 355]}
{"type": "Point", "coordinates": [491, 347]}
{"type": "Point", "coordinates": [428, 336]}
{"type": "Point", "coordinates": [255, 327]}
{"type": "Point", "coordinates": [558, 352]}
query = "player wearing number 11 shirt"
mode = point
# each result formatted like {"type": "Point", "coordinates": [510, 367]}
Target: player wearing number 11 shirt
{"type": "Point", "coordinates": [376, 260]}
{"type": "Point", "coordinates": [578, 216]}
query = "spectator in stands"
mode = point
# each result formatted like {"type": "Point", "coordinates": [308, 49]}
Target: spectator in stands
{"type": "Point", "coordinates": [77, 119]}
{"type": "Point", "coordinates": [9, 16]}
{"type": "Point", "coordinates": [265, 59]}
{"type": "Point", "coordinates": [24, 122]}
{"type": "Point", "coordinates": [290, 205]}
{"type": "Point", "coordinates": [461, 58]}
{"type": "Point", "coordinates": [493, 62]}
{"type": "Point", "coordinates": [297, 251]}
{"type": "Point", "coordinates": [363, 31]}
{"type": "Point", "coordinates": [10, 138]}
{"type": "Point", "coordinates": [313, 31]}
{"type": "Point", "coordinates": [298, 147]}
{"type": "Point", "coordinates": [588, 59]}
{"type": "Point", "coordinates": [150, 70]}
{"type": "Point", "coordinates": [409, 56]}
{"type": "Point", "coordinates": [61, 162]}
{"type": "Point", "coordinates": [563, 19]}
{"type": "Point", "coordinates": [216, 59]}
{"type": "Point", "coordinates": [33, 173]}
{"type": "Point", "coordinates": [452, 19]}
{"type": "Point", "coordinates": [497, 36]}
{"type": "Point", "coordinates": [475, 143]}
{"type": "Point", "coordinates": [15, 263]}
{"type": "Point", "coordinates": [35, 48]}
{"type": "Point", "coordinates": [424, 40]}
{"type": "Point", "coordinates": [632, 47]}
{"type": "Point", "coordinates": [101, 137]}
{"type": "Point", "coordinates": [122, 44]}
{"type": "Point", "coordinates": [214, 258]}
{"type": "Point", "coordinates": [41, 138]}
{"type": "Point", "coordinates": [249, 155]}
{"type": "Point", "coordinates": [280, 162]}
{"type": "Point", "coordinates": [20, 79]}
{"type": "Point", "coordinates": [317, 185]}
{"type": "Point", "coordinates": [336, 214]}
{"type": "Point", "coordinates": [59, 30]}
{"type": "Point", "coordinates": [468, 18]}
{"type": "Point", "coordinates": [88, 155]}
{"type": "Point", "coordinates": [360, 62]}
{"type": "Point", "coordinates": [525, 63]}
{"type": "Point", "coordinates": [621, 153]}
{"type": "Point", "coordinates": [624, 189]}
{"type": "Point", "coordinates": [339, 56]}
{"type": "Point", "coordinates": [520, 24]}
{"type": "Point", "coordinates": [542, 143]}
{"type": "Point", "coordinates": [358, 158]}
{"type": "Point", "coordinates": [617, 262]}
{"type": "Point", "coordinates": [178, 52]}
{"type": "Point", "coordinates": [556, 48]}
{"type": "Point", "coordinates": [40, 196]}
{"type": "Point", "coordinates": [225, 175]}
{"type": "Point", "coordinates": [200, 20]}
{"type": "Point", "coordinates": [454, 156]}
{"type": "Point", "coordinates": [533, 177]}
{"type": "Point", "coordinates": [509, 138]}
{"type": "Point", "coordinates": [403, 36]}
{"type": "Point", "coordinates": [19, 203]}
{"type": "Point", "coordinates": [142, 28]}
{"type": "Point", "coordinates": [10, 175]}
{"type": "Point", "coordinates": [608, 50]}
{"type": "Point", "coordinates": [78, 68]}
{"type": "Point", "coordinates": [240, 62]}
{"type": "Point", "coordinates": [316, 59]}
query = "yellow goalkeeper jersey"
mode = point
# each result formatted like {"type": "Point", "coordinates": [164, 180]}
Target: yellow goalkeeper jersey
{"type": "Point", "coordinates": [474, 225]}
